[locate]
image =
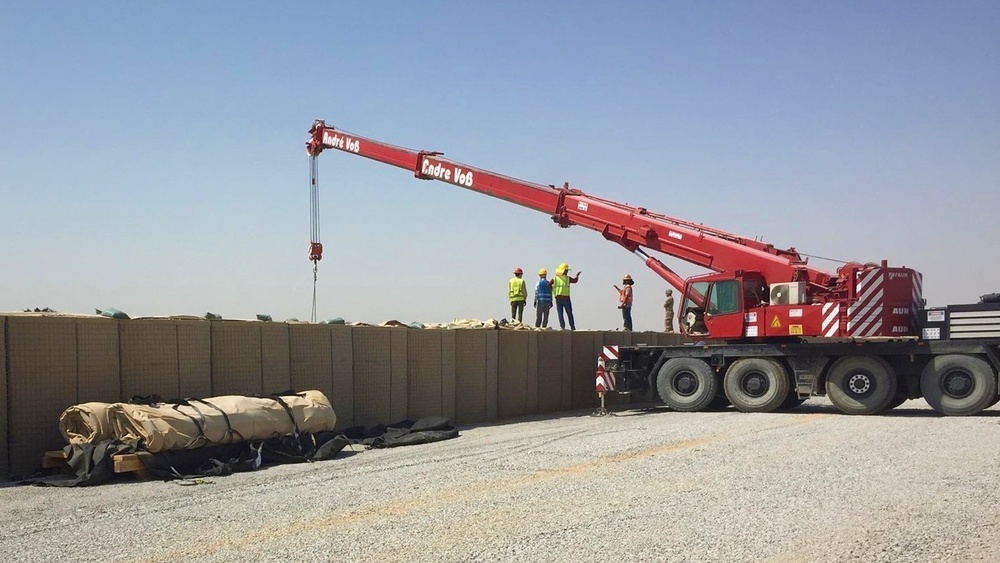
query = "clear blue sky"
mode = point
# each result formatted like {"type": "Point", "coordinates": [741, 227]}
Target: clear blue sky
{"type": "Point", "coordinates": [152, 156]}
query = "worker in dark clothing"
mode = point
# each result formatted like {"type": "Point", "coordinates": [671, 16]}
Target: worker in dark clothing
{"type": "Point", "coordinates": [625, 301]}
{"type": "Point", "coordinates": [518, 294]}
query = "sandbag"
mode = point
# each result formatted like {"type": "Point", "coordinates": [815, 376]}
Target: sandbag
{"type": "Point", "coordinates": [86, 424]}
{"type": "Point", "coordinates": [220, 420]}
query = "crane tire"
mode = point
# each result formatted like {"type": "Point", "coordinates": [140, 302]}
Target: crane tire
{"type": "Point", "coordinates": [958, 385]}
{"type": "Point", "coordinates": [686, 384]}
{"type": "Point", "coordinates": [757, 384]}
{"type": "Point", "coordinates": [861, 384]}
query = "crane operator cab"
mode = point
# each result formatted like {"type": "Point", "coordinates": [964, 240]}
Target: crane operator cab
{"type": "Point", "coordinates": [715, 304]}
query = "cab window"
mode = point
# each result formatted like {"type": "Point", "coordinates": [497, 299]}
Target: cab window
{"type": "Point", "coordinates": [724, 297]}
{"type": "Point", "coordinates": [693, 312]}
{"type": "Point", "coordinates": [695, 295]}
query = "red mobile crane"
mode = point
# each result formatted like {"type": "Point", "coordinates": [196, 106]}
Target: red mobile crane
{"type": "Point", "coordinates": [779, 329]}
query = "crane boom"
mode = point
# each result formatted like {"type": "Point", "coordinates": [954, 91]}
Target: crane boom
{"type": "Point", "coordinates": [634, 228]}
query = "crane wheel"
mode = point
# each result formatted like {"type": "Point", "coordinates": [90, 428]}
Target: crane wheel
{"type": "Point", "coordinates": [958, 385]}
{"type": "Point", "coordinates": [861, 384]}
{"type": "Point", "coordinates": [757, 384]}
{"type": "Point", "coordinates": [686, 384]}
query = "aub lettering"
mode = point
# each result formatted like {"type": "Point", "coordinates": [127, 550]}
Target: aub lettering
{"type": "Point", "coordinates": [900, 310]}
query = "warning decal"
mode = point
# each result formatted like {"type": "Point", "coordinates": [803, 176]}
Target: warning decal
{"type": "Point", "coordinates": [776, 323]}
{"type": "Point", "coordinates": [794, 329]}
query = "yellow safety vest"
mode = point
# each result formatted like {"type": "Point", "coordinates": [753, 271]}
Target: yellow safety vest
{"type": "Point", "coordinates": [517, 290]}
{"type": "Point", "coordinates": [560, 286]}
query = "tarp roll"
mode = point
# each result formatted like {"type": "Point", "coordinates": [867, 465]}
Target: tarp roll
{"type": "Point", "coordinates": [199, 422]}
{"type": "Point", "coordinates": [87, 423]}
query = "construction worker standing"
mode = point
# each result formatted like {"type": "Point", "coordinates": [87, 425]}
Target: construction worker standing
{"type": "Point", "coordinates": [543, 299]}
{"type": "Point", "coordinates": [625, 300]}
{"type": "Point", "coordinates": [560, 289]}
{"type": "Point", "coordinates": [668, 312]}
{"type": "Point", "coordinates": [518, 294]}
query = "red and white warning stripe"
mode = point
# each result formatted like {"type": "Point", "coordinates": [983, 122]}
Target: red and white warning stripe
{"type": "Point", "coordinates": [610, 352]}
{"type": "Point", "coordinates": [831, 319]}
{"type": "Point", "coordinates": [605, 380]}
{"type": "Point", "coordinates": [918, 291]}
{"type": "Point", "coordinates": [864, 316]}
{"type": "Point", "coordinates": [918, 300]}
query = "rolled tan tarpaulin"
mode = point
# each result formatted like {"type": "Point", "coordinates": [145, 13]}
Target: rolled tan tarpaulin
{"type": "Point", "coordinates": [86, 424]}
{"type": "Point", "coordinates": [219, 420]}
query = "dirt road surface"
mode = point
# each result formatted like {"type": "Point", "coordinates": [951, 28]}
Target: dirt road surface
{"type": "Point", "coordinates": [647, 485]}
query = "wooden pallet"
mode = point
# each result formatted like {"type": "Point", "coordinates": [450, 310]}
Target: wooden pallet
{"type": "Point", "coordinates": [124, 463]}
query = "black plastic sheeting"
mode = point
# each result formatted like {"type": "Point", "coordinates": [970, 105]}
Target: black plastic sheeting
{"type": "Point", "coordinates": [93, 464]}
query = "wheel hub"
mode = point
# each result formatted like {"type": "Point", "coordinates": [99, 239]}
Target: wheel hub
{"type": "Point", "coordinates": [859, 383]}
{"type": "Point", "coordinates": [754, 384]}
{"type": "Point", "coordinates": [957, 384]}
{"type": "Point", "coordinates": [685, 383]}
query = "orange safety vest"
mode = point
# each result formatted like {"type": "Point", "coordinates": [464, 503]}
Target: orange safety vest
{"type": "Point", "coordinates": [625, 295]}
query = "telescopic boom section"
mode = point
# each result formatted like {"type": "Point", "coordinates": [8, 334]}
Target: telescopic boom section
{"type": "Point", "coordinates": [432, 166]}
{"type": "Point", "coordinates": [631, 227]}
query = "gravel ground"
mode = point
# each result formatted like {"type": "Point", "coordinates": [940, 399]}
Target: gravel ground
{"type": "Point", "coordinates": [648, 485]}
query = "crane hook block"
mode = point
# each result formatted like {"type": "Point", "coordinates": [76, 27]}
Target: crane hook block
{"type": "Point", "coordinates": [315, 251]}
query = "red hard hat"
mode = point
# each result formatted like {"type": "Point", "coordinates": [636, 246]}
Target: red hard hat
{"type": "Point", "coordinates": [518, 271]}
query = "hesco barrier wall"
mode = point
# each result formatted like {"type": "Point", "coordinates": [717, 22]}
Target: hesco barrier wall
{"type": "Point", "coordinates": [371, 374]}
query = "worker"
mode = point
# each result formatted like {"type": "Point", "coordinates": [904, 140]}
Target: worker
{"type": "Point", "coordinates": [625, 301]}
{"type": "Point", "coordinates": [543, 299]}
{"type": "Point", "coordinates": [518, 294]}
{"type": "Point", "coordinates": [668, 312]}
{"type": "Point", "coordinates": [560, 289]}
